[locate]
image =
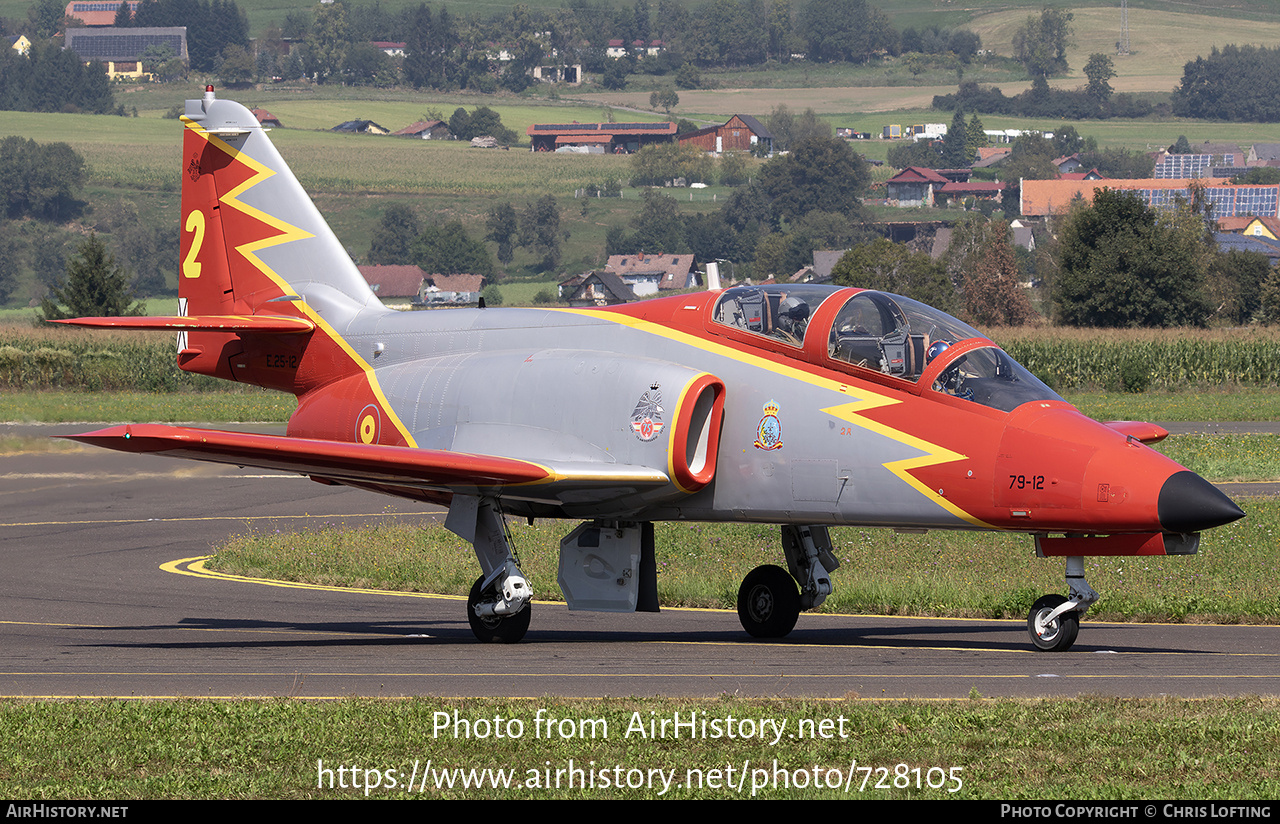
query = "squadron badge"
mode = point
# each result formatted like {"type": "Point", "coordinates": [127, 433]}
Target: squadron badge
{"type": "Point", "coordinates": [646, 420]}
{"type": "Point", "coordinates": [769, 433]}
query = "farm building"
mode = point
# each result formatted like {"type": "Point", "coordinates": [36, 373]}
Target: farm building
{"type": "Point", "coordinates": [97, 14]}
{"type": "Point", "coordinates": [395, 285]}
{"type": "Point", "coordinates": [359, 127]}
{"type": "Point", "coordinates": [266, 119]}
{"type": "Point", "coordinates": [606, 138]}
{"type": "Point", "coordinates": [914, 186]}
{"type": "Point", "coordinates": [121, 50]}
{"type": "Point", "coordinates": [426, 130]}
{"type": "Point", "coordinates": [740, 134]}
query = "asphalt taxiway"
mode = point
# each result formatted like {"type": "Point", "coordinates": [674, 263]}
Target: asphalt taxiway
{"type": "Point", "coordinates": [102, 594]}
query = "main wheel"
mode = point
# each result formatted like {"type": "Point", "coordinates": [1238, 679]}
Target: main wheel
{"type": "Point", "coordinates": [1060, 633]}
{"type": "Point", "coordinates": [500, 629]}
{"type": "Point", "coordinates": [768, 602]}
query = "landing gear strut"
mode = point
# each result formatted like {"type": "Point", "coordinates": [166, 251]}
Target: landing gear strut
{"type": "Point", "coordinates": [1054, 621]}
{"type": "Point", "coordinates": [498, 605]}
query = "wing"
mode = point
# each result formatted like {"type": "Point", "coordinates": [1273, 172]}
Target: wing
{"type": "Point", "coordinates": [380, 467]}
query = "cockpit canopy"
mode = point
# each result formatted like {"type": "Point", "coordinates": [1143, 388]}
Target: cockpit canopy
{"type": "Point", "coordinates": [885, 333]}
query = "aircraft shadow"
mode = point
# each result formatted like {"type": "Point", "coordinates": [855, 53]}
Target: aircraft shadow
{"type": "Point", "coordinates": [365, 634]}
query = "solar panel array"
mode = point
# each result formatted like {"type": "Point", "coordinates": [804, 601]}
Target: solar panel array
{"type": "Point", "coordinates": [121, 46]}
{"type": "Point", "coordinates": [1228, 201]}
{"type": "Point", "coordinates": [602, 127]}
{"type": "Point", "coordinates": [1172, 166]}
{"type": "Point", "coordinates": [86, 7]}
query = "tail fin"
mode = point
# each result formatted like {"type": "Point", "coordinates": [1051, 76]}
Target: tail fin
{"type": "Point", "coordinates": [250, 233]}
{"type": "Point", "coordinates": [254, 244]}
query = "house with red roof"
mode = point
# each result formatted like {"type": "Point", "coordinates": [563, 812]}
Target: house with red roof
{"type": "Point", "coordinates": [914, 186]}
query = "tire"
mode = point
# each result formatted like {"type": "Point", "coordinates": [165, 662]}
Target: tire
{"type": "Point", "coordinates": [509, 629]}
{"type": "Point", "coordinates": [1059, 635]}
{"type": "Point", "coordinates": [768, 602]}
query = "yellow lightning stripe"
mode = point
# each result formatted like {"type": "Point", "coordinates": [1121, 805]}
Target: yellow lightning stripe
{"type": "Point", "coordinates": [289, 233]}
{"type": "Point", "coordinates": [934, 454]}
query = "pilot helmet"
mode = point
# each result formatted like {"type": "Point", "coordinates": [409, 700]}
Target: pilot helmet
{"type": "Point", "coordinates": [794, 309]}
{"type": "Point", "coordinates": [935, 349]}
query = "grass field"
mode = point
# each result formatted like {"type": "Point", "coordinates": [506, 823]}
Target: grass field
{"type": "Point", "coordinates": [970, 749]}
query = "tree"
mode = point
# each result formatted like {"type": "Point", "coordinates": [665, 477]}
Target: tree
{"type": "Point", "coordinates": [788, 128]}
{"type": "Point", "coordinates": [992, 295]}
{"type": "Point", "coordinates": [688, 76]}
{"type": "Point", "coordinates": [733, 169]}
{"type": "Point", "coordinates": [95, 286]}
{"type": "Point", "coordinates": [540, 231]}
{"type": "Point", "coordinates": [666, 98]}
{"type": "Point", "coordinates": [42, 180]}
{"type": "Point", "coordinates": [449, 250]}
{"type": "Point", "coordinates": [394, 235]}
{"type": "Point", "coordinates": [659, 163]}
{"type": "Point", "coordinates": [503, 228]}
{"type": "Point", "coordinates": [124, 16]}
{"type": "Point", "coordinates": [1123, 264]}
{"type": "Point", "coordinates": [892, 267]}
{"type": "Point", "coordinates": [955, 149]}
{"type": "Point", "coordinates": [1234, 284]}
{"type": "Point", "coordinates": [1100, 69]}
{"type": "Point", "coordinates": [819, 173]}
{"type": "Point", "coordinates": [327, 44]}
{"type": "Point", "coordinates": [975, 137]}
{"type": "Point", "coordinates": [237, 66]}
{"type": "Point", "coordinates": [659, 229]}
{"type": "Point", "coordinates": [845, 30]}
{"type": "Point", "coordinates": [1040, 45]}
{"type": "Point", "coordinates": [615, 75]}
{"type": "Point", "coordinates": [10, 260]}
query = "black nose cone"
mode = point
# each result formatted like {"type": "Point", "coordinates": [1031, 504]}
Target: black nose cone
{"type": "Point", "coordinates": [1189, 503]}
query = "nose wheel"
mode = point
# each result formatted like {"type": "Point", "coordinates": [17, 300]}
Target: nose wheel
{"type": "Point", "coordinates": [1050, 632]}
{"type": "Point", "coordinates": [768, 602]}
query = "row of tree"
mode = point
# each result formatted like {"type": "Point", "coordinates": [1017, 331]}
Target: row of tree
{"type": "Point", "coordinates": [445, 52]}
{"type": "Point", "coordinates": [49, 79]}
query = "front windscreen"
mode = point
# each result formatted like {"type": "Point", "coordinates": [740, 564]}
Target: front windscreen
{"type": "Point", "coordinates": [988, 376]}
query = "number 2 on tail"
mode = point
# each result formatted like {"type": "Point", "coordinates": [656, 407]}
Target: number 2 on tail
{"type": "Point", "coordinates": [195, 223]}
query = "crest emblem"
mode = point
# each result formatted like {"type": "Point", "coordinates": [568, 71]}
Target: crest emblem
{"type": "Point", "coordinates": [646, 419]}
{"type": "Point", "coordinates": [769, 432]}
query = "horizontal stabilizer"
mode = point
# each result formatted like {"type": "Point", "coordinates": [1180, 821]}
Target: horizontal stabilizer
{"type": "Point", "coordinates": [278, 324]}
{"type": "Point", "coordinates": [357, 462]}
{"type": "Point", "coordinates": [1139, 430]}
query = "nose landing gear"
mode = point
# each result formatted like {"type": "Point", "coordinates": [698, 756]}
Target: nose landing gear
{"type": "Point", "coordinates": [1054, 621]}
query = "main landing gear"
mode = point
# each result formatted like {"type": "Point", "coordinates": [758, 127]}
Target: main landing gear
{"type": "Point", "coordinates": [1054, 621]}
{"type": "Point", "coordinates": [499, 602]}
{"type": "Point", "coordinates": [768, 601]}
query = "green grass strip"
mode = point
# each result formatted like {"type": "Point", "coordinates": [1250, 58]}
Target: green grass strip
{"type": "Point", "coordinates": [53, 406]}
{"type": "Point", "coordinates": [1076, 749]}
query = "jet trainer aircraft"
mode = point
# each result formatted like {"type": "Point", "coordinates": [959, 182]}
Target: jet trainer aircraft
{"type": "Point", "coordinates": [801, 405]}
